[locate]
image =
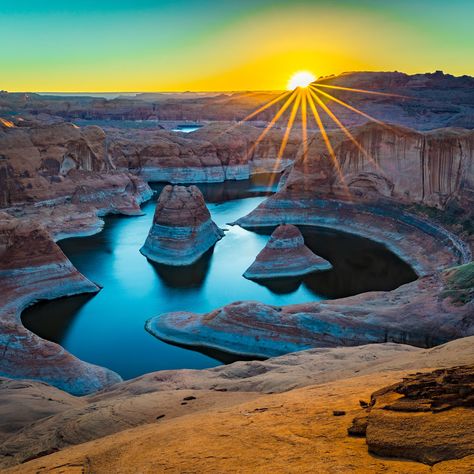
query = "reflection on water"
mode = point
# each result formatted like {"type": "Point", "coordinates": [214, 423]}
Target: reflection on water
{"type": "Point", "coordinates": [108, 328]}
{"type": "Point", "coordinates": [359, 265]}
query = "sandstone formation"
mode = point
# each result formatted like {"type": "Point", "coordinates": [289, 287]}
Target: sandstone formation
{"type": "Point", "coordinates": [431, 315]}
{"type": "Point", "coordinates": [388, 192]}
{"type": "Point", "coordinates": [214, 153]}
{"type": "Point", "coordinates": [55, 182]}
{"type": "Point", "coordinates": [426, 417]}
{"type": "Point", "coordinates": [202, 413]}
{"type": "Point", "coordinates": [412, 191]}
{"type": "Point", "coordinates": [33, 267]}
{"type": "Point", "coordinates": [182, 229]}
{"type": "Point", "coordinates": [285, 255]}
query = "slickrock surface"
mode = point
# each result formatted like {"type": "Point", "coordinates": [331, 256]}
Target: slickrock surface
{"type": "Point", "coordinates": [182, 229]}
{"type": "Point", "coordinates": [214, 153]}
{"type": "Point", "coordinates": [428, 417]}
{"type": "Point", "coordinates": [162, 398]}
{"type": "Point", "coordinates": [285, 255]}
{"type": "Point", "coordinates": [423, 313]}
{"type": "Point", "coordinates": [195, 424]}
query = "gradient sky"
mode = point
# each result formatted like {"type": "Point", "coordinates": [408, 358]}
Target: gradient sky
{"type": "Point", "coordinates": [175, 45]}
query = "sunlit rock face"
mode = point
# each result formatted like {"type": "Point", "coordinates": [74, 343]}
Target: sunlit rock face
{"type": "Point", "coordinates": [214, 153]}
{"type": "Point", "coordinates": [285, 255]}
{"type": "Point", "coordinates": [383, 187]}
{"type": "Point", "coordinates": [182, 229]}
{"type": "Point", "coordinates": [427, 417]}
{"type": "Point", "coordinates": [393, 162]}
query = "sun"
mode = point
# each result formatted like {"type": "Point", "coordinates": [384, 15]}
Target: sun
{"type": "Point", "coordinates": [300, 79]}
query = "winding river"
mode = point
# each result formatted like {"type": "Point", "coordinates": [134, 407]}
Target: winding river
{"type": "Point", "coordinates": [108, 328]}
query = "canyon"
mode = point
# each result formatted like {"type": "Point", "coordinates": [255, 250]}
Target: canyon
{"type": "Point", "coordinates": [407, 184]}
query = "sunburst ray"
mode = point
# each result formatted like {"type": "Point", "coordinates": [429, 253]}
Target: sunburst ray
{"type": "Point", "coordinates": [350, 107]}
{"type": "Point", "coordinates": [362, 91]}
{"type": "Point", "coordinates": [348, 134]}
{"type": "Point", "coordinates": [286, 136]}
{"type": "Point", "coordinates": [272, 122]}
{"type": "Point", "coordinates": [329, 147]}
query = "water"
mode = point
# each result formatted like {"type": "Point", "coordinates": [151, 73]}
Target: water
{"type": "Point", "coordinates": [187, 128]}
{"type": "Point", "coordinates": [108, 328]}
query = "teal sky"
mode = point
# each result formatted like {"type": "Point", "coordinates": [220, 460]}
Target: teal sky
{"type": "Point", "coordinates": [146, 45]}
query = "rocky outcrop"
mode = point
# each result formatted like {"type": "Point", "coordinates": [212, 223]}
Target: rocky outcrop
{"type": "Point", "coordinates": [427, 417]}
{"type": "Point", "coordinates": [214, 153]}
{"type": "Point", "coordinates": [182, 229]}
{"type": "Point", "coordinates": [389, 162]}
{"type": "Point", "coordinates": [32, 267]}
{"type": "Point", "coordinates": [236, 398]}
{"type": "Point", "coordinates": [285, 255]}
{"type": "Point", "coordinates": [380, 190]}
{"type": "Point", "coordinates": [55, 182]}
{"type": "Point", "coordinates": [430, 316]}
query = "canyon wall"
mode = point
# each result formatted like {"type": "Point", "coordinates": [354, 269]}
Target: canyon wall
{"type": "Point", "coordinates": [214, 153]}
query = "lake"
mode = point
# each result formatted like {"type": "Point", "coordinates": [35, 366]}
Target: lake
{"type": "Point", "coordinates": [108, 328]}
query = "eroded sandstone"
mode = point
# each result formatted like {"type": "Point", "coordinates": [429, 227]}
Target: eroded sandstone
{"type": "Point", "coordinates": [427, 417]}
{"type": "Point", "coordinates": [285, 255]}
{"type": "Point", "coordinates": [182, 229]}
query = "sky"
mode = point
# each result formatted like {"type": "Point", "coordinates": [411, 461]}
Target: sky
{"type": "Point", "coordinates": [209, 45]}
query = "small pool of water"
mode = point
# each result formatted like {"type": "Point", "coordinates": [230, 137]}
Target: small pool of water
{"type": "Point", "coordinates": [108, 328]}
{"type": "Point", "coordinates": [187, 128]}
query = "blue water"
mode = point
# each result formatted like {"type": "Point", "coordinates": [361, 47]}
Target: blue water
{"type": "Point", "coordinates": [186, 128]}
{"type": "Point", "coordinates": [108, 328]}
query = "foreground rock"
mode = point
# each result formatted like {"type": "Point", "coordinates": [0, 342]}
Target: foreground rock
{"type": "Point", "coordinates": [161, 398]}
{"type": "Point", "coordinates": [436, 309]}
{"type": "Point", "coordinates": [285, 255]}
{"type": "Point", "coordinates": [427, 417]}
{"type": "Point", "coordinates": [182, 229]}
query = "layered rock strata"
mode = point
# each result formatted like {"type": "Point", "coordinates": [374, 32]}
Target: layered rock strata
{"type": "Point", "coordinates": [285, 255]}
{"type": "Point", "coordinates": [32, 267]}
{"type": "Point", "coordinates": [55, 182]}
{"type": "Point", "coordinates": [182, 229]}
{"type": "Point", "coordinates": [423, 313]}
{"type": "Point", "coordinates": [379, 190]}
{"type": "Point", "coordinates": [214, 153]}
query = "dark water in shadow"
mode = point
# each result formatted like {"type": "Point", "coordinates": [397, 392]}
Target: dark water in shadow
{"type": "Point", "coordinates": [108, 328]}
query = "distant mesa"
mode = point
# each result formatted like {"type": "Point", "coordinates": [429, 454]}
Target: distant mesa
{"type": "Point", "coordinates": [182, 229]}
{"type": "Point", "coordinates": [286, 255]}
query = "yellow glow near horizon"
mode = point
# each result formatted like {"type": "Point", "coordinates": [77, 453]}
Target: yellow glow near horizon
{"type": "Point", "coordinates": [300, 79]}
